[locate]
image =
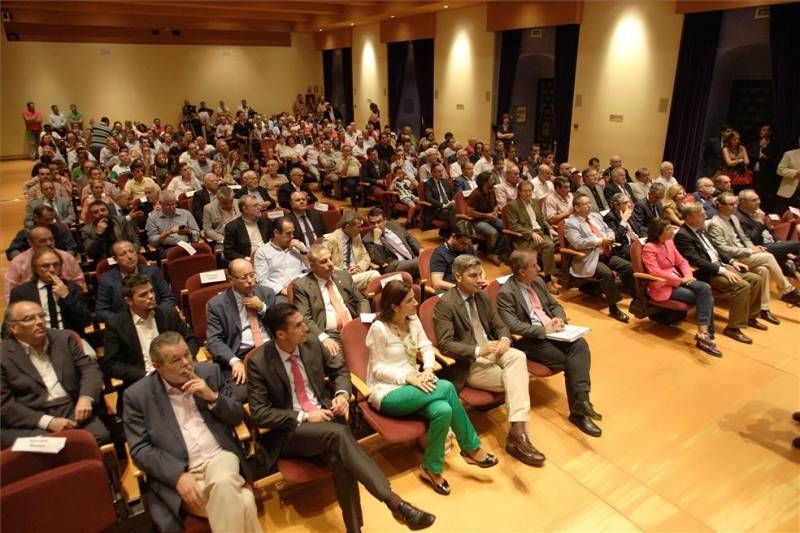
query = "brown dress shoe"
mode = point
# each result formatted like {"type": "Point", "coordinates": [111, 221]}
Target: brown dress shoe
{"type": "Point", "coordinates": [519, 446]}
{"type": "Point", "coordinates": [552, 288]}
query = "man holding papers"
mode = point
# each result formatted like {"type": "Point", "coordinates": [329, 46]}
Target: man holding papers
{"type": "Point", "coordinates": [532, 313]}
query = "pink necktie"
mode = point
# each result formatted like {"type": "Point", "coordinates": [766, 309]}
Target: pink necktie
{"type": "Point", "coordinates": [342, 317]}
{"type": "Point", "coordinates": [536, 307]}
{"type": "Point", "coordinates": [599, 234]}
{"type": "Point", "coordinates": [300, 385]}
{"type": "Point", "coordinates": [255, 327]}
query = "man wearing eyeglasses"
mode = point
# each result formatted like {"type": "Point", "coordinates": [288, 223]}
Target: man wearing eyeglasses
{"type": "Point", "coordinates": [236, 323]}
{"type": "Point", "coordinates": [49, 384]}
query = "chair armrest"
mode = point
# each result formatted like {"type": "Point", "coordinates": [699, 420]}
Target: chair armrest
{"type": "Point", "coordinates": [242, 432]}
{"type": "Point", "coordinates": [360, 386]}
{"type": "Point", "coordinates": [648, 277]}
{"type": "Point", "coordinates": [462, 216]}
{"type": "Point", "coordinates": [443, 359]}
{"type": "Point", "coordinates": [570, 251]}
{"type": "Point", "coordinates": [203, 355]}
{"type": "Point", "coordinates": [516, 337]}
{"type": "Point", "coordinates": [512, 233]}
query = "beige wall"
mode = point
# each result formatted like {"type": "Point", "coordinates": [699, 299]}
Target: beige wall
{"type": "Point", "coordinates": [463, 73]}
{"type": "Point", "coordinates": [144, 81]}
{"type": "Point", "coordinates": [627, 58]}
{"type": "Point", "coordinates": [369, 73]}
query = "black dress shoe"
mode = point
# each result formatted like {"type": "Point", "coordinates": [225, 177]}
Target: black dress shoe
{"type": "Point", "coordinates": [520, 447]}
{"type": "Point", "coordinates": [585, 424]}
{"type": "Point", "coordinates": [791, 298]}
{"type": "Point", "coordinates": [737, 335]}
{"type": "Point", "coordinates": [585, 408]}
{"type": "Point", "coordinates": [442, 488]}
{"type": "Point", "coordinates": [769, 317]}
{"type": "Point", "coordinates": [616, 314]}
{"type": "Point", "coordinates": [755, 324]}
{"type": "Point", "coordinates": [796, 416]}
{"type": "Point", "coordinates": [705, 343]}
{"type": "Point", "coordinates": [488, 462]}
{"type": "Point", "coordinates": [412, 517]}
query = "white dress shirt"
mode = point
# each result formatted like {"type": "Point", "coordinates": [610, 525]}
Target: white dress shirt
{"type": "Point", "coordinates": [44, 366]}
{"type": "Point", "coordinates": [255, 235]}
{"type": "Point", "coordinates": [330, 312]}
{"type": "Point", "coordinates": [312, 397]}
{"type": "Point", "coordinates": [201, 445]}
{"type": "Point", "coordinates": [247, 333]}
{"type": "Point", "coordinates": [146, 330]}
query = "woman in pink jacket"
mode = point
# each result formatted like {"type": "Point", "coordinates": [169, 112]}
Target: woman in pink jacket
{"type": "Point", "coordinates": [661, 259]}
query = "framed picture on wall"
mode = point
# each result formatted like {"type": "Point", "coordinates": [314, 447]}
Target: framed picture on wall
{"type": "Point", "coordinates": [521, 114]}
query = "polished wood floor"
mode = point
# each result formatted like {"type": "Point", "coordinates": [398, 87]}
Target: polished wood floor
{"type": "Point", "coordinates": [690, 443]}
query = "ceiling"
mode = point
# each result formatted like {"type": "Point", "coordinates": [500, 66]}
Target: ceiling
{"type": "Point", "coordinates": [257, 23]}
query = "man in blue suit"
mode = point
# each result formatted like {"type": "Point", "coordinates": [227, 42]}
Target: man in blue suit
{"type": "Point", "coordinates": [109, 285]}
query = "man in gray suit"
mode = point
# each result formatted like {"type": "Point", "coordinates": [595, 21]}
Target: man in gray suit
{"type": "Point", "coordinates": [178, 424]}
{"type": "Point", "coordinates": [65, 213]}
{"type": "Point", "coordinates": [592, 190]}
{"type": "Point", "coordinates": [236, 323]}
{"type": "Point", "coordinates": [469, 330]}
{"type": "Point", "coordinates": [327, 298]}
{"type": "Point", "coordinates": [48, 383]}
{"type": "Point", "coordinates": [529, 310]}
{"type": "Point", "coordinates": [390, 246]}
{"type": "Point", "coordinates": [217, 213]}
{"type": "Point", "coordinates": [586, 232]}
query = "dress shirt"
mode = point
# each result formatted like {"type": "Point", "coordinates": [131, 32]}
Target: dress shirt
{"type": "Point", "coordinates": [158, 222]}
{"type": "Point", "coordinates": [330, 312]}
{"type": "Point", "coordinates": [19, 270]}
{"type": "Point", "coordinates": [455, 170]}
{"type": "Point", "coordinates": [523, 288]}
{"type": "Point", "coordinates": [276, 268]}
{"type": "Point", "coordinates": [201, 445]}
{"type": "Point", "coordinates": [180, 186]}
{"type": "Point", "coordinates": [309, 391]}
{"type": "Point", "coordinates": [482, 166]}
{"type": "Point", "coordinates": [136, 189]}
{"type": "Point", "coordinates": [255, 194]}
{"type": "Point", "coordinates": [41, 286]}
{"type": "Point", "coordinates": [146, 330]}
{"type": "Point", "coordinates": [640, 190]}
{"type": "Point", "coordinates": [709, 248]}
{"type": "Point", "coordinates": [254, 233]}
{"type": "Point", "coordinates": [396, 245]}
{"type": "Point", "coordinates": [541, 189]}
{"type": "Point", "coordinates": [505, 193]}
{"type": "Point", "coordinates": [247, 334]}
{"type": "Point", "coordinates": [666, 182]}
{"type": "Point", "coordinates": [555, 204]}
{"type": "Point", "coordinates": [466, 298]}
{"type": "Point", "coordinates": [532, 215]}
{"type": "Point", "coordinates": [44, 366]}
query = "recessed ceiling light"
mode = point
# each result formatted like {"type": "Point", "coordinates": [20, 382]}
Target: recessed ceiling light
{"type": "Point", "coordinates": [391, 17]}
{"type": "Point", "coordinates": [319, 29]}
{"type": "Point", "coordinates": [446, 6]}
{"type": "Point", "coordinates": [352, 23]}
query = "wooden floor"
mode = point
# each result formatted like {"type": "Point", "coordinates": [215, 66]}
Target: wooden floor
{"type": "Point", "coordinates": [690, 443]}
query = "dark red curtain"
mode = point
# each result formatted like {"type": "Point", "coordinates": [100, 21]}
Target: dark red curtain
{"type": "Point", "coordinates": [327, 72]}
{"type": "Point", "coordinates": [784, 25]}
{"type": "Point", "coordinates": [685, 132]}
{"type": "Point", "coordinates": [347, 72]}
{"type": "Point", "coordinates": [511, 41]}
{"type": "Point", "coordinates": [423, 67]}
{"type": "Point", "coordinates": [566, 62]}
{"type": "Point", "coordinates": [397, 56]}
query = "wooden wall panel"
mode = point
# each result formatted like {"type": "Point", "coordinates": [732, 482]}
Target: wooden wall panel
{"type": "Point", "coordinates": [699, 6]}
{"type": "Point", "coordinates": [408, 28]}
{"type": "Point", "coordinates": [333, 39]}
{"type": "Point", "coordinates": [516, 15]}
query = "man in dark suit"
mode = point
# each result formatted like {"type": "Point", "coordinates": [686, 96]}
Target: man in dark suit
{"type": "Point", "coordinates": [440, 197]}
{"type": "Point", "coordinates": [296, 183]}
{"type": "Point", "coordinates": [236, 323]}
{"type": "Point", "coordinates": [722, 272]}
{"type": "Point", "coordinates": [178, 424]}
{"type": "Point", "coordinates": [308, 225]}
{"type": "Point", "coordinates": [751, 219]}
{"type": "Point", "coordinates": [617, 184]}
{"type": "Point", "coordinates": [649, 208]}
{"type": "Point", "coordinates": [65, 212]}
{"type": "Point", "coordinates": [203, 197]}
{"type": "Point", "coordinates": [529, 310]}
{"type": "Point", "coordinates": [48, 383]}
{"type": "Point", "coordinates": [109, 284]}
{"type": "Point", "coordinates": [373, 171]}
{"type": "Point", "coordinates": [469, 330]}
{"type": "Point", "coordinates": [390, 246]}
{"type": "Point", "coordinates": [238, 241]}
{"type": "Point", "coordinates": [62, 300]}
{"type": "Point", "coordinates": [712, 152]}
{"type": "Point", "coordinates": [250, 187]}
{"type": "Point", "coordinates": [104, 230]}
{"type": "Point", "coordinates": [620, 219]}
{"type": "Point", "coordinates": [287, 395]}
{"type": "Point", "coordinates": [129, 333]}
{"type": "Point", "coordinates": [43, 216]}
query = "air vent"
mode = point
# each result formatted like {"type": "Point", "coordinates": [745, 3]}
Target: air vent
{"type": "Point", "coordinates": [176, 33]}
{"type": "Point", "coordinates": [155, 31]}
{"type": "Point", "coordinates": [6, 16]}
{"type": "Point", "coordinates": [762, 12]}
{"type": "Point", "coordinates": [536, 33]}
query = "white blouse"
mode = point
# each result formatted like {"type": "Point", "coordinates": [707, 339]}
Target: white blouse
{"type": "Point", "coordinates": [388, 360]}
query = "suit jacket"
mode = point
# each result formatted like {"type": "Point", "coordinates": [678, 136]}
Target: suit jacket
{"type": "Point", "coordinates": [212, 218]}
{"type": "Point", "coordinates": [269, 391]}
{"type": "Point", "coordinates": [262, 191]}
{"type": "Point", "coordinates": [580, 237]}
{"type": "Point", "coordinates": [23, 395]}
{"type": "Point", "coordinates": [99, 246]}
{"type": "Point", "coordinates": [336, 243]}
{"type": "Point", "coordinates": [789, 164]}
{"type": "Point", "coordinates": [614, 221]}
{"type": "Point", "coordinates": [692, 249]}
{"type": "Point", "coordinates": [285, 193]}
{"type": "Point", "coordinates": [308, 299]}
{"type": "Point", "coordinates": [64, 210]}
{"type": "Point", "coordinates": [157, 444]}
{"type": "Point", "coordinates": [513, 310]}
{"type": "Point", "coordinates": [644, 212]}
{"type": "Point", "coordinates": [237, 241]}
{"type": "Point", "coordinates": [224, 331]}
{"type": "Point", "coordinates": [314, 218]}
{"type": "Point", "coordinates": [372, 174]}
{"type": "Point", "coordinates": [123, 352]}
{"type": "Point", "coordinates": [109, 291]}
{"type": "Point", "coordinates": [612, 189]}
{"type": "Point", "coordinates": [663, 261]}
{"type": "Point", "coordinates": [432, 193]}
{"type": "Point", "coordinates": [603, 205]}
{"type": "Point", "coordinates": [712, 156]}
{"type": "Point", "coordinates": [454, 333]}
{"type": "Point", "coordinates": [723, 235]}
{"type": "Point", "coordinates": [751, 227]}
{"type": "Point", "coordinates": [74, 313]}
{"type": "Point", "coordinates": [382, 255]}
{"type": "Point", "coordinates": [61, 234]}
{"type": "Point", "coordinates": [200, 199]}
{"type": "Point", "coordinates": [519, 220]}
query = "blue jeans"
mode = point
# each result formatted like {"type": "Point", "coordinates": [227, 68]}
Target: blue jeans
{"type": "Point", "coordinates": [698, 293]}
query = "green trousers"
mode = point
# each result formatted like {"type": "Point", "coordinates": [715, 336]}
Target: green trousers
{"type": "Point", "coordinates": [442, 409]}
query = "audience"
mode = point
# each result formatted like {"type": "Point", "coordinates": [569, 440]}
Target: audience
{"type": "Point", "coordinates": [619, 182]}
{"type": "Point", "coordinates": [438, 196]}
{"type": "Point", "coordinates": [62, 207]}
{"type": "Point", "coordinates": [348, 252]}
{"type": "Point", "coordinates": [390, 246]}
{"type": "Point", "coordinates": [459, 242]}
{"type": "Point", "coordinates": [169, 225]}
{"type": "Point", "coordinates": [284, 258]}
{"type": "Point", "coordinates": [45, 217]}
{"type": "Point", "coordinates": [705, 196]}
{"type": "Point", "coordinates": [593, 191]}
{"type": "Point", "coordinates": [641, 185]}
{"type": "Point", "coordinates": [484, 211]}
{"type": "Point", "coordinates": [308, 226]}
{"type": "Point", "coordinates": [217, 214]}
{"type": "Point", "coordinates": [752, 221]}
{"type": "Point", "coordinates": [246, 233]}
{"type": "Point", "coordinates": [649, 208]}
{"type": "Point", "coordinates": [104, 230]}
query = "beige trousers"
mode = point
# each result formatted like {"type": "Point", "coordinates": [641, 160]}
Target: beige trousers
{"type": "Point", "coordinates": [230, 506]}
{"type": "Point", "coordinates": [362, 279]}
{"type": "Point", "coordinates": [508, 373]}
{"type": "Point", "coordinates": [765, 265]}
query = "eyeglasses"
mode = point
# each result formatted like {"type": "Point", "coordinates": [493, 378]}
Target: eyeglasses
{"type": "Point", "coordinates": [243, 277]}
{"type": "Point", "coordinates": [29, 319]}
{"type": "Point", "coordinates": [730, 204]}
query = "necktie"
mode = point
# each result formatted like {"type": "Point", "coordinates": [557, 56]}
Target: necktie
{"type": "Point", "coordinates": [342, 316]}
{"type": "Point", "coordinates": [255, 327]}
{"type": "Point", "coordinates": [396, 245]}
{"type": "Point", "coordinates": [442, 193]}
{"type": "Point", "coordinates": [598, 199]}
{"type": "Point", "coordinates": [536, 306]}
{"type": "Point", "coordinates": [309, 231]}
{"type": "Point", "coordinates": [300, 385]}
{"type": "Point", "coordinates": [348, 251]}
{"type": "Point", "coordinates": [51, 307]}
{"type": "Point", "coordinates": [475, 321]}
{"type": "Point", "coordinates": [599, 234]}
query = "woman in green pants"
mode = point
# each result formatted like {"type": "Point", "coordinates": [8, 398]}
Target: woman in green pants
{"type": "Point", "coordinates": [399, 388]}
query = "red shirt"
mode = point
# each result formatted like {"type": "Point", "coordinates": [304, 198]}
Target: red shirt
{"type": "Point", "coordinates": [33, 120]}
